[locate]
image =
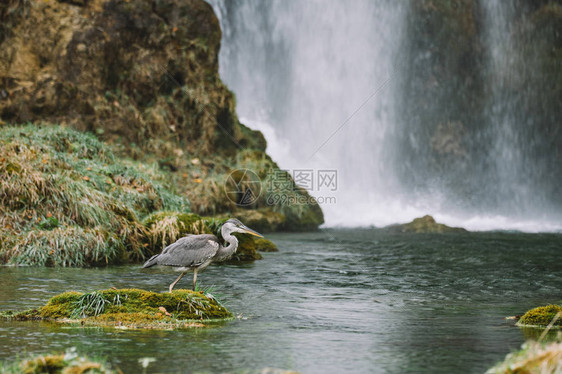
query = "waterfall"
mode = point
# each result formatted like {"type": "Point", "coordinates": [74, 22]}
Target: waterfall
{"type": "Point", "coordinates": [326, 82]}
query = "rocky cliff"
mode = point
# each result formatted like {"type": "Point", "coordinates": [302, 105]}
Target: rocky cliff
{"type": "Point", "coordinates": [142, 75]}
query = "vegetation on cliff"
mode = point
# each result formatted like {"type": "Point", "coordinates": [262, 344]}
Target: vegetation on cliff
{"type": "Point", "coordinates": [69, 362]}
{"type": "Point", "coordinates": [67, 200]}
{"type": "Point", "coordinates": [143, 76]}
{"type": "Point", "coordinates": [157, 139]}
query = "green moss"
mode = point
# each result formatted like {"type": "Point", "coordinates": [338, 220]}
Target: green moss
{"type": "Point", "coordinates": [26, 315]}
{"type": "Point", "coordinates": [133, 307]}
{"type": "Point", "coordinates": [541, 316]}
{"type": "Point", "coordinates": [60, 306]}
{"type": "Point", "coordinates": [246, 250]}
{"type": "Point", "coordinates": [49, 223]}
{"type": "Point", "coordinates": [265, 245]}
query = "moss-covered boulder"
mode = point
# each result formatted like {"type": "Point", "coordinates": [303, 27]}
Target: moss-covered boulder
{"type": "Point", "coordinates": [542, 316]}
{"type": "Point", "coordinates": [425, 224]}
{"type": "Point", "coordinates": [129, 308]}
{"type": "Point", "coordinates": [265, 245]}
{"type": "Point", "coordinates": [261, 219]}
{"type": "Point", "coordinates": [182, 304]}
{"type": "Point", "coordinates": [247, 250]}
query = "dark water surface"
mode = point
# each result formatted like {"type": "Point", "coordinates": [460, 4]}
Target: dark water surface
{"type": "Point", "coordinates": [353, 301]}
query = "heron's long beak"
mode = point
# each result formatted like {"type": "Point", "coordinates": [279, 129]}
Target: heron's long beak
{"type": "Point", "coordinates": [248, 230]}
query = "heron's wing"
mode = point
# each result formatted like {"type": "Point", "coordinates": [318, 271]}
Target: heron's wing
{"type": "Point", "coordinates": [192, 250]}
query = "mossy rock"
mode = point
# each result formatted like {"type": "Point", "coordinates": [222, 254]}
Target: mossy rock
{"type": "Point", "coordinates": [265, 245]}
{"type": "Point", "coordinates": [541, 316]}
{"type": "Point", "coordinates": [182, 304]}
{"type": "Point", "coordinates": [424, 225]}
{"type": "Point", "coordinates": [304, 217]}
{"type": "Point", "coordinates": [262, 219]}
{"type": "Point", "coordinates": [246, 251]}
{"type": "Point", "coordinates": [129, 308]}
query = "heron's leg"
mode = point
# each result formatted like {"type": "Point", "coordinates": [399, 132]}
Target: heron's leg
{"type": "Point", "coordinates": [194, 278]}
{"type": "Point", "coordinates": [177, 280]}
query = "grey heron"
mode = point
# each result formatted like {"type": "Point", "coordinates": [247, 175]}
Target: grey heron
{"type": "Point", "coordinates": [196, 252]}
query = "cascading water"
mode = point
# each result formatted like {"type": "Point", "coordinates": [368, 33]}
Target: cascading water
{"type": "Point", "coordinates": [322, 81]}
{"type": "Point", "coordinates": [517, 175]}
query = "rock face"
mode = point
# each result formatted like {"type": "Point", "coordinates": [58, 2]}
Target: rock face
{"type": "Point", "coordinates": [143, 76]}
{"type": "Point", "coordinates": [425, 224]}
{"type": "Point", "coordinates": [117, 68]}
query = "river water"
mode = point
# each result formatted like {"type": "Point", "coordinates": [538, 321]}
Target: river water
{"type": "Point", "coordinates": [333, 301]}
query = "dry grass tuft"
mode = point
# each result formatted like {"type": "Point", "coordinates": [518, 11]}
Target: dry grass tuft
{"type": "Point", "coordinates": [533, 358]}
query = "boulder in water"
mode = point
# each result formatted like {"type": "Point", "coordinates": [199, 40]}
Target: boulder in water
{"type": "Point", "coordinates": [129, 308]}
{"type": "Point", "coordinates": [425, 224]}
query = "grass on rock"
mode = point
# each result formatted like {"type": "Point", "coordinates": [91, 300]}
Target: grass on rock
{"type": "Point", "coordinates": [66, 200]}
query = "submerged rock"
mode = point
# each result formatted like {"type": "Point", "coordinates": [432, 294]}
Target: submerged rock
{"type": "Point", "coordinates": [425, 224]}
{"type": "Point", "coordinates": [129, 308]}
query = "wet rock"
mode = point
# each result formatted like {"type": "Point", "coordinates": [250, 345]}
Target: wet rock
{"type": "Point", "coordinates": [425, 224]}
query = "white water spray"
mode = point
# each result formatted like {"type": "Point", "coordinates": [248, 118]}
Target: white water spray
{"type": "Point", "coordinates": [316, 77]}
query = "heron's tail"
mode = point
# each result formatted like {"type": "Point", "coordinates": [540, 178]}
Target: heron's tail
{"type": "Point", "coordinates": [151, 261]}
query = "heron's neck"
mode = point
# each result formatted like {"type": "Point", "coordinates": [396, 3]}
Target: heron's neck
{"type": "Point", "coordinates": [225, 252]}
